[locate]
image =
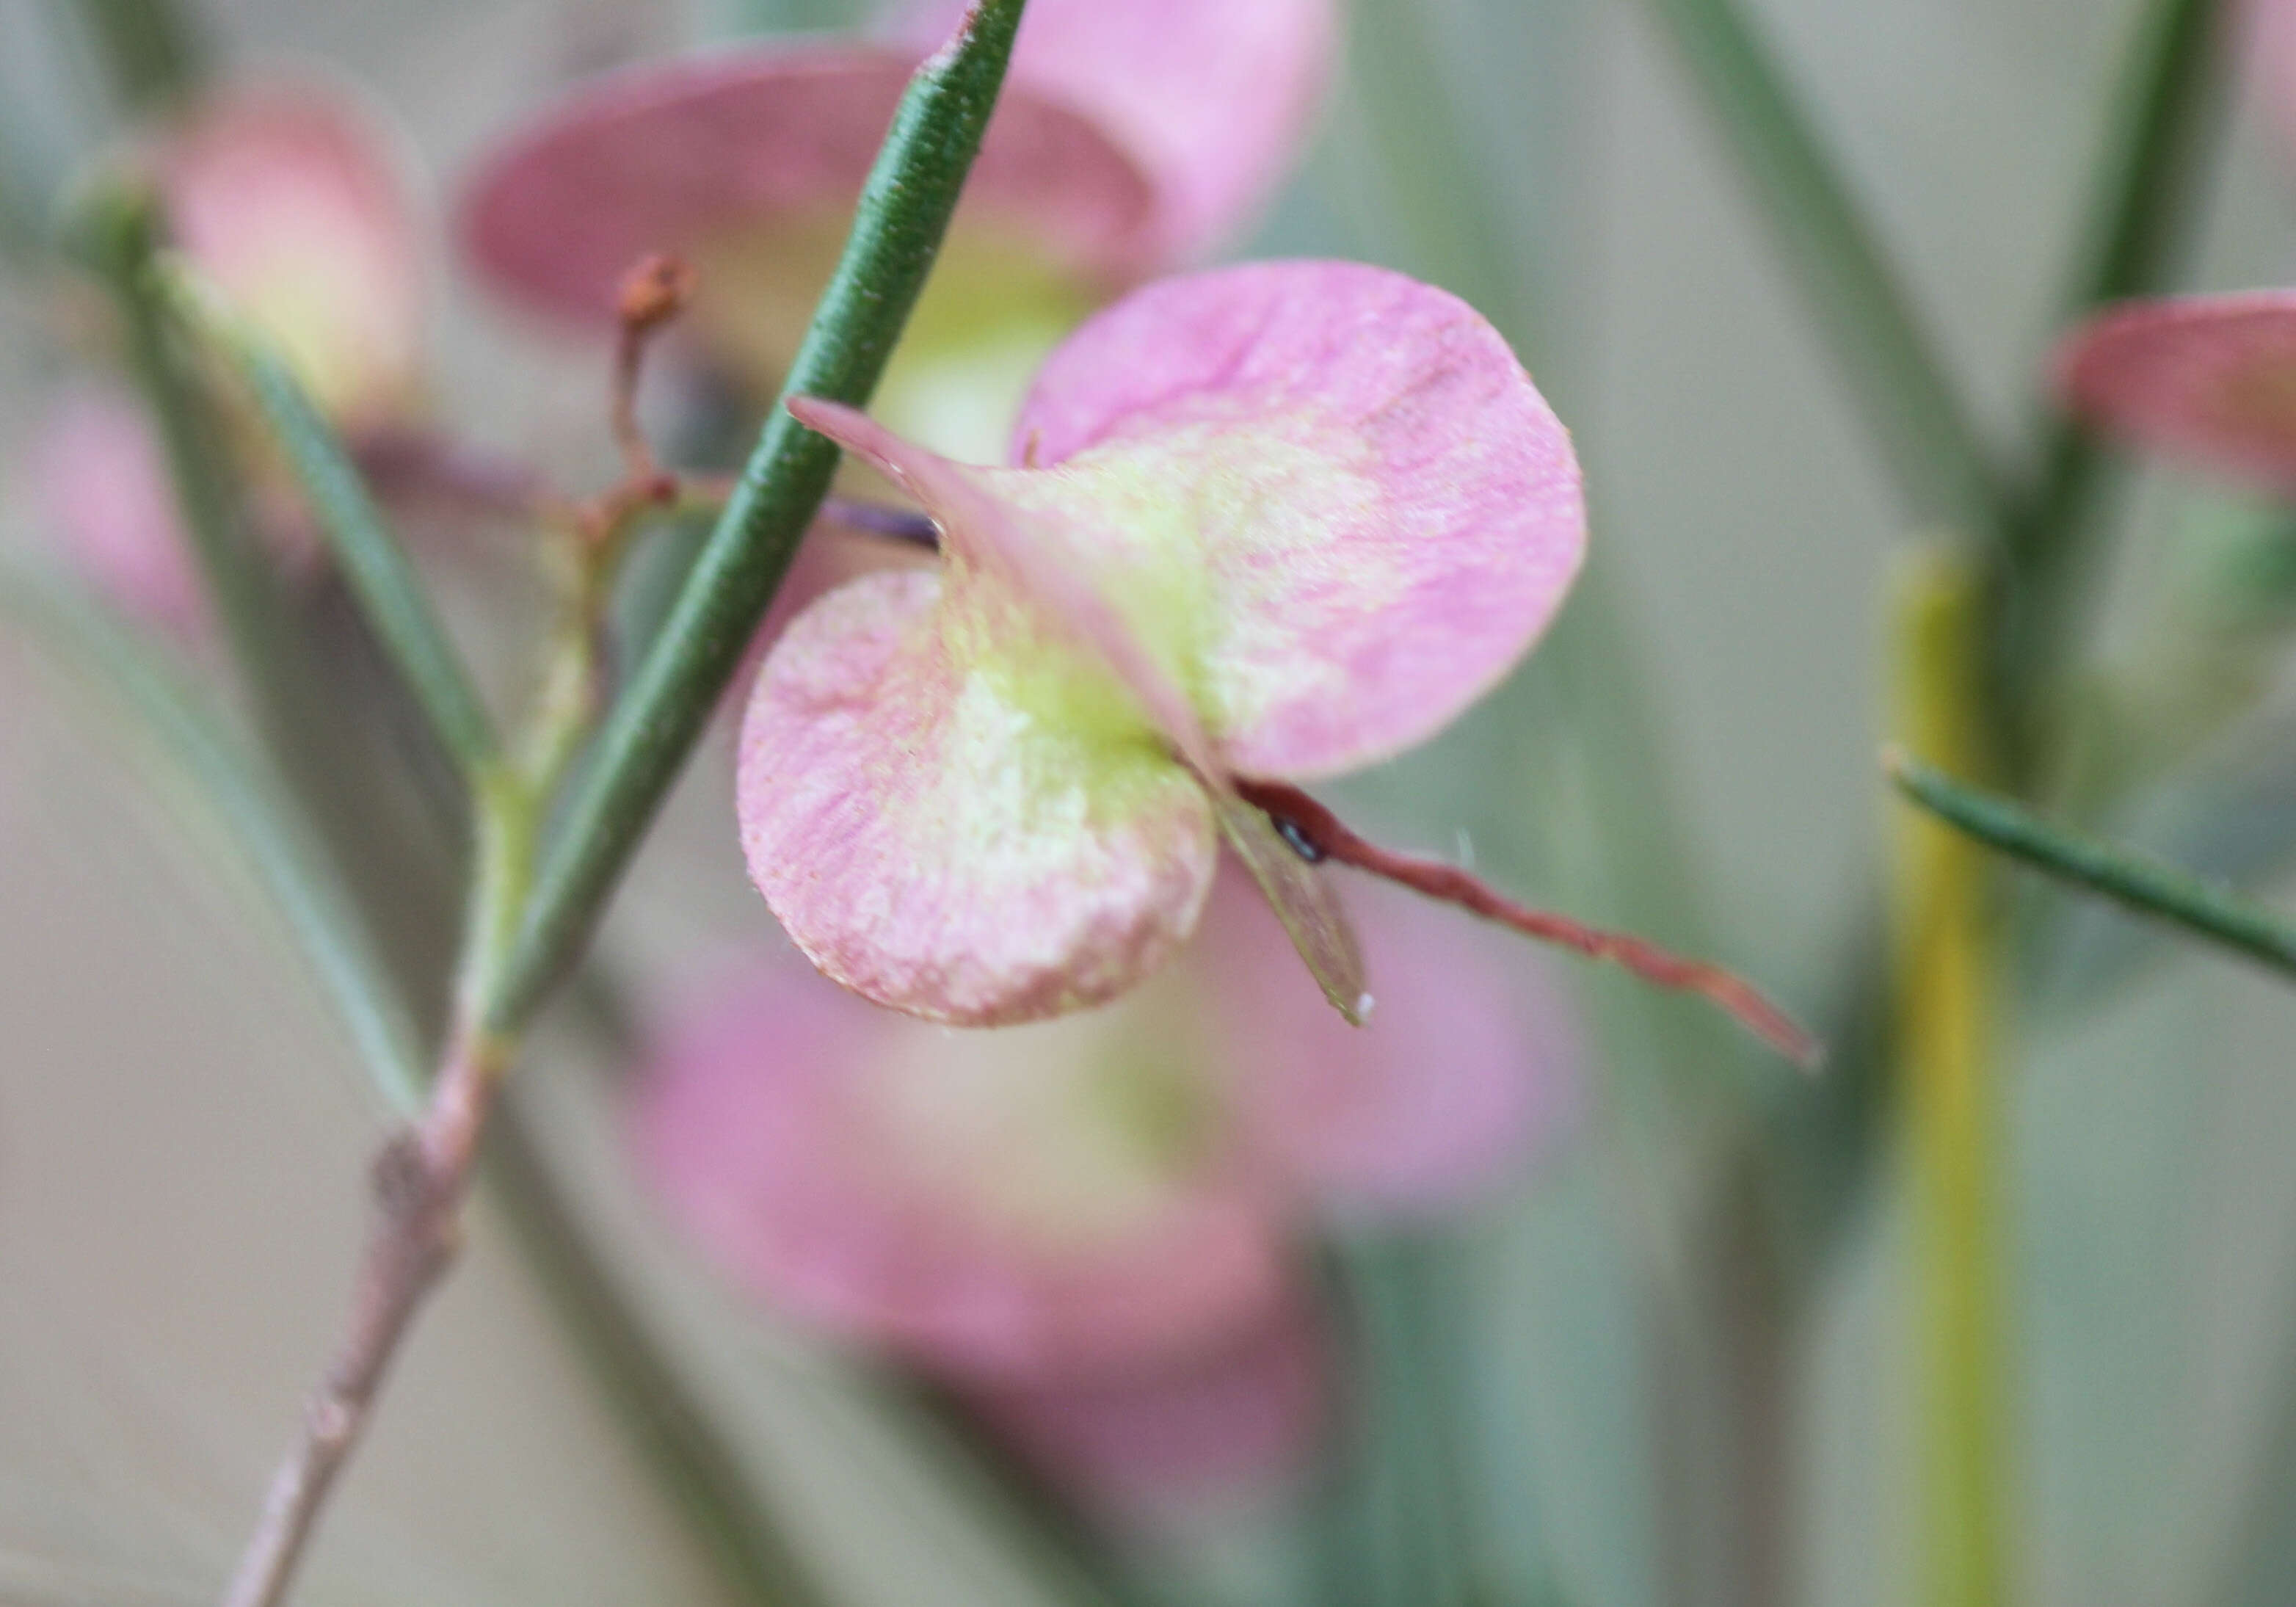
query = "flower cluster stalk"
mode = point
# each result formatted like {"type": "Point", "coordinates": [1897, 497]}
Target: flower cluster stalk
{"type": "Point", "coordinates": [904, 211]}
{"type": "Point", "coordinates": [518, 938]}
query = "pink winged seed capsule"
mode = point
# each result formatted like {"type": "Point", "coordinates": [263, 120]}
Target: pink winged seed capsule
{"type": "Point", "coordinates": [2207, 379]}
{"type": "Point", "coordinates": [1285, 520]}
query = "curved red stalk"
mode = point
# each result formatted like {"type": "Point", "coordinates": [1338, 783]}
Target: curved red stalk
{"type": "Point", "coordinates": [1320, 834]}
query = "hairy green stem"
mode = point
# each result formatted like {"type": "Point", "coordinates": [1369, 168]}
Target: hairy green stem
{"type": "Point", "coordinates": [636, 1376]}
{"type": "Point", "coordinates": [2129, 876]}
{"type": "Point", "coordinates": [516, 945]}
{"type": "Point", "coordinates": [904, 212]}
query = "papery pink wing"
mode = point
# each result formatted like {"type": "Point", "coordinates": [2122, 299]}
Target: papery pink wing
{"type": "Point", "coordinates": [2207, 379]}
{"type": "Point", "coordinates": [1036, 560]}
{"type": "Point", "coordinates": [1045, 562]}
{"type": "Point", "coordinates": [957, 816]}
{"type": "Point", "coordinates": [1387, 513]}
{"type": "Point", "coordinates": [1471, 1062]}
{"type": "Point", "coordinates": [293, 197]}
{"type": "Point", "coordinates": [663, 157]}
{"type": "Point", "coordinates": [960, 1198]}
{"type": "Point", "coordinates": [1214, 97]}
{"type": "Point", "coordinates": [1181, 1441]}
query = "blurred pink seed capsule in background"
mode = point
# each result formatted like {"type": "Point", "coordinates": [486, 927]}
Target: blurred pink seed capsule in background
{"type": "Point", "coordinates": [1208, 1431]}
{"type": "Point", "coordinates": [1089, 1227]}
{"type": "Point", "coordinates": [101, 481]}
{"type": "Point", "coordinates": [293, 197]}
{"type": "Point", "coordinates": [2209, 381]}
{"type": "Point", "coordinates": [1133, 135]}
{"type": "Point", "coordinates": [748, 161]}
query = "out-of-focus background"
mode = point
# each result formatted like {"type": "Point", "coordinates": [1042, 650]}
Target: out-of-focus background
{"type": "Point", "coordinates": [183, 1134]}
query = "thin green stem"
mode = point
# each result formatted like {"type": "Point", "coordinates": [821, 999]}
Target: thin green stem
{"type": "Point", "coordinates": [2160, 135]}
{"type": "Point", "coordinates": [122, 228]}
{"type": "Point", "coordinates": [505, 815]}
{"type": "Point", "coordinates": [291, 868]}
{"type": "Point", "coordinates": [257, 627]}
{"type": "Point", "coordinates": [643, 1384]}
{"type": "Point", "coordinates": [1943, 471]}
{"type": "Point", "coordinates": [2148, 885]}
{"type": "Point", "coordinates": [379, 571]}
{"type": "Point", "coordinates": [903, 213]}
{"type": "Point", "coordinates": [327, 761]}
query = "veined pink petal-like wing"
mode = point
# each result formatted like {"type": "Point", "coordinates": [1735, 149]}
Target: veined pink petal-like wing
{"type": "Point", "coordinates": [1384, 510]}
{"type": "Point", "coordinates": [959, 816]}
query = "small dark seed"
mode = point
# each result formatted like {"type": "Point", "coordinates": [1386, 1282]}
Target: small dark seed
{"type": "Point", "coordinates": [1306, 847]}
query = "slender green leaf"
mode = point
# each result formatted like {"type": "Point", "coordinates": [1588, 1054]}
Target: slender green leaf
{"type": "Point", "coordinates": [904, 212]}
{"type": "Point", "coordinates": [2160, 135]}
{"type": "Point", "coordinates": [2230, 819]}
{"type": "Point", "coordinates": [2146, 884]}
{"type": "Point", "coordinates": [330, 761]}
{"type": "Point", "coordinates": [1917, 414]}
{"type": "Point", "coordinates": [379, 571]}
{"type": "Point", "coordinates": [1405, 1508]}
{"type": "Point", "coordinates": [122, 229]}
{"type": "Point", "coordinates": [291, 867]}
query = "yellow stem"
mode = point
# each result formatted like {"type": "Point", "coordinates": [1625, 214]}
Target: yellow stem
{"type": "Point", "coordinates": [1945, 965]}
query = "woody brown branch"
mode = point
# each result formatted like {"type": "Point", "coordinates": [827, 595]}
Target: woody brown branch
{"type": "Point", "coordinates": [422, 1177]}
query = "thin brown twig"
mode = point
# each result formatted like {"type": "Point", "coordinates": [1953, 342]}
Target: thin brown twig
{"type": "Point", "coordinates": [420, 1178]}
{"type": "Point", "coordinates": [423, 1174]}
{"type": "Point", "coordinates": [653, 293]}
{"type": "Point", "coordinates": [1319, 834]}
